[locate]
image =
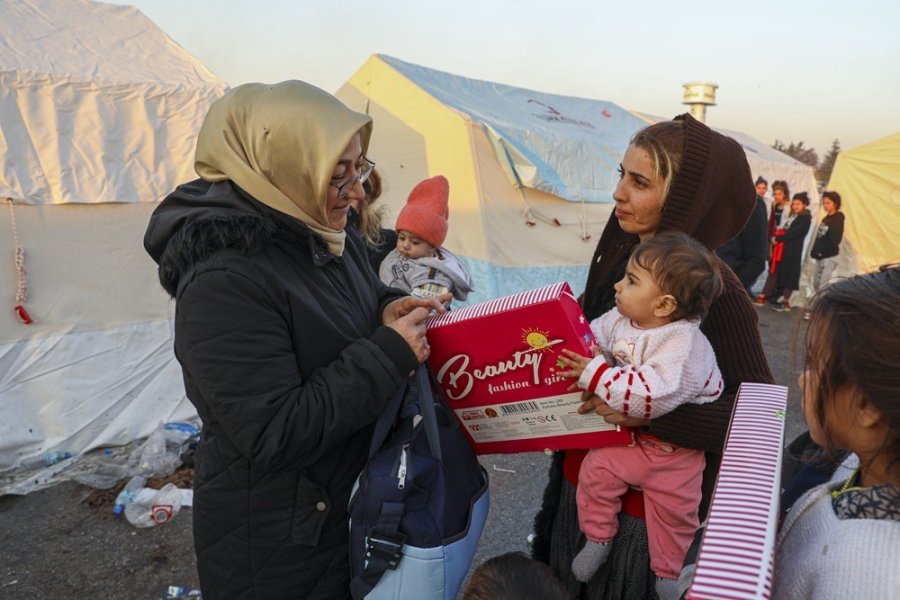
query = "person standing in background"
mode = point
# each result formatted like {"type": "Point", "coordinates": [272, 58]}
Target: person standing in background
{"type": "Point", "coordinates": [762, 187]}
{"type": "Point", "coordinates": [780, 196]}
{"type": "Point", "coordinates": [746, 252]}
{"type": "Point", "coordinates": [827, 244]}
{"type": "Point", "coordinates": [793, 233]}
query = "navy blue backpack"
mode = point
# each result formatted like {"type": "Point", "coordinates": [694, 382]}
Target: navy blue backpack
{"type": "Point", "coordinates": [420, 504]}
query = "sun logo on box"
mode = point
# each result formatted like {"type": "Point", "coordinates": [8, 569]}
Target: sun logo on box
{"type": "Point", "coordinates": [536, 339]}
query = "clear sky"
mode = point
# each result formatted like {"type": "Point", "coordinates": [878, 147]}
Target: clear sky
{"type": "Point", "coordinates": [793, 70]}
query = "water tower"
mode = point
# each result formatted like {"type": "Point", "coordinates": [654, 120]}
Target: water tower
{"type": "Point", "coordinates": [698, 96]}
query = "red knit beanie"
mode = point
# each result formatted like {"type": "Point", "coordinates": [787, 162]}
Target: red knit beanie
{"type": "Point", "coordinates": [426, 211]}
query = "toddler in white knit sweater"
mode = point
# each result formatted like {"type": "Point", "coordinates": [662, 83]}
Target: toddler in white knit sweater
{"type": "Point", "coordinates": [653, 358]}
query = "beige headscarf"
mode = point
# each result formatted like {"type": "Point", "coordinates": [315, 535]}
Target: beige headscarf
{"type": "Point", "coordinates": [280, 144]}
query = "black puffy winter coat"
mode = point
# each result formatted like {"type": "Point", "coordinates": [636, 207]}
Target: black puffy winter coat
{"type": "Point", "coordinates": [286, 360]}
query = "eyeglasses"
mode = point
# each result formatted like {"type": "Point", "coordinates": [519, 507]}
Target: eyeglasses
{"type": "Point", "coordinates": [363, 170]}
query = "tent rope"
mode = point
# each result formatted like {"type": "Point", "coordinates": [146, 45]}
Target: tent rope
{"type": "Point", "coordinates": [585, 236]}
{"type": "Point", "coordinates": [532, 216]}
{"type": "Point", "coordinates": [21, 286]}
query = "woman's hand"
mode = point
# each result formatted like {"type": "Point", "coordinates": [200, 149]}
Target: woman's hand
{"type": "Point", "coordinates": [412, 327]}
{"type": "Point", "coordinates": [592, 402]}
{"type": "Point", "coordinates": [406, 305]}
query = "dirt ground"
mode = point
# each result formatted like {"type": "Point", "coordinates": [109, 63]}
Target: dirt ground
{"type": "Point", "coordinates": [64, 542]}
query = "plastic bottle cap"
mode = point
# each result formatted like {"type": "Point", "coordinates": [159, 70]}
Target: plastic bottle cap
{"type": "Point", "coordinates": [161, 513]}
{"type": "Point", "coordinates": [117, 509]}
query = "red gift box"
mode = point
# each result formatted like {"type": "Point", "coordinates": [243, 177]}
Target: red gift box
{"type": "Point", "coordinates": [497, 363]}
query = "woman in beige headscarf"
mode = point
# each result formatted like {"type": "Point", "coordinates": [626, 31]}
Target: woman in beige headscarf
{"type": "Point", "coordinates": [289, 344]}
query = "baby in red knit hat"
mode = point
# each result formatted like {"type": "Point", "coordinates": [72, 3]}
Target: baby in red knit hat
{"type": "Point", "coordinates": [419, 264]}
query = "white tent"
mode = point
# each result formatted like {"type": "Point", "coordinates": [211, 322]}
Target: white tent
{"type": "Point", "coordinates": [772, 164]}
{"type": "Point", "coordinates": [868, 179]}
{"type": "Point", "coordinates": [99, 111]}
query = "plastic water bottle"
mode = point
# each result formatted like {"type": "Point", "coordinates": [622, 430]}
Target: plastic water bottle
{"type": "Point", "coordinates": [175, 591]}
{"type": "Point", "coordinates": [189, 429]}
{"type": "Point", "coordinates": [153, 458]}
{"type": "Point", "coordinates": [51, 458]}
{"type": "Point", "coordinates": [156, 509]}
{"type": "Point", "coordinates": [180, 435]}
{"type": "Point", "coordinates": [128, 494]}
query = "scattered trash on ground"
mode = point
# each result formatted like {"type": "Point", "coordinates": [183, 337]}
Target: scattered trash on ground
{"type": "Point", "coordinates": [51, 458]}
{"type": "Point", "coordinates": [103, 501]}
{"type": "Point", "coordinates": [173, 592]}
{"type": "Point", "coordinates": [167, 447]}
{"type": "Point", "coordinates": [154, 507]}
{"type": "Point", "coordinates": [31, 480]}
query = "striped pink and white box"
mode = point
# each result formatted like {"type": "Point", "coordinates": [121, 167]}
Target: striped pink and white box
{"type": "Point", "coordinates": [492, 307]}
{"type": "Point", "coordinates": [736, 554]}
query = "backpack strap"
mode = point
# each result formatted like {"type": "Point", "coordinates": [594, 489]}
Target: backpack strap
{"type": "Point", "coordinates": [384, 545]}
{"type": "Point", "coordinates": [383, 549]}
{"type": "Point", "coordinates": [426, 408]}
{"type": "Point", "coordinates": [387, 419]}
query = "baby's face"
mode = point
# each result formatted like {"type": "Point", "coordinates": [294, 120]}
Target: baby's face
{"type": "Point", "coordinates": [637, 295]}
{"type": "Point", "coordinates": [412, 247]}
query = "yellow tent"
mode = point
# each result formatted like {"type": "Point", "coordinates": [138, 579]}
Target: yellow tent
{"type": "Point", "coordinates": [531, 174]}
{"type": "Point", "coordinates": [868, 180]}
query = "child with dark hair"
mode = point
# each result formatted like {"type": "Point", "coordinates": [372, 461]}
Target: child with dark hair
{"type": "Point", "coordinates": [841, 539]}
{"type": "Point", "coordinates": [514, 576]}
{"type": "Point", "coordinates": [790, 240]}
{"type": "Point", "coordinates": [746, 253]}
{"type": "Point", "coordinates": [827, 243]}
{"type": "Point", "coordinates": [781, 195]}
{"type": "Point", "coordinates": [654, 358]}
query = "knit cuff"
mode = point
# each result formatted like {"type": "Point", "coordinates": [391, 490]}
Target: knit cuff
{"type": "Point", "coordinates": [590, 377]}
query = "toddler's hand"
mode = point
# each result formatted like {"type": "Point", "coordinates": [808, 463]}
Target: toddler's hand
{"type": "Point", "coordinates": [574, 364]}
